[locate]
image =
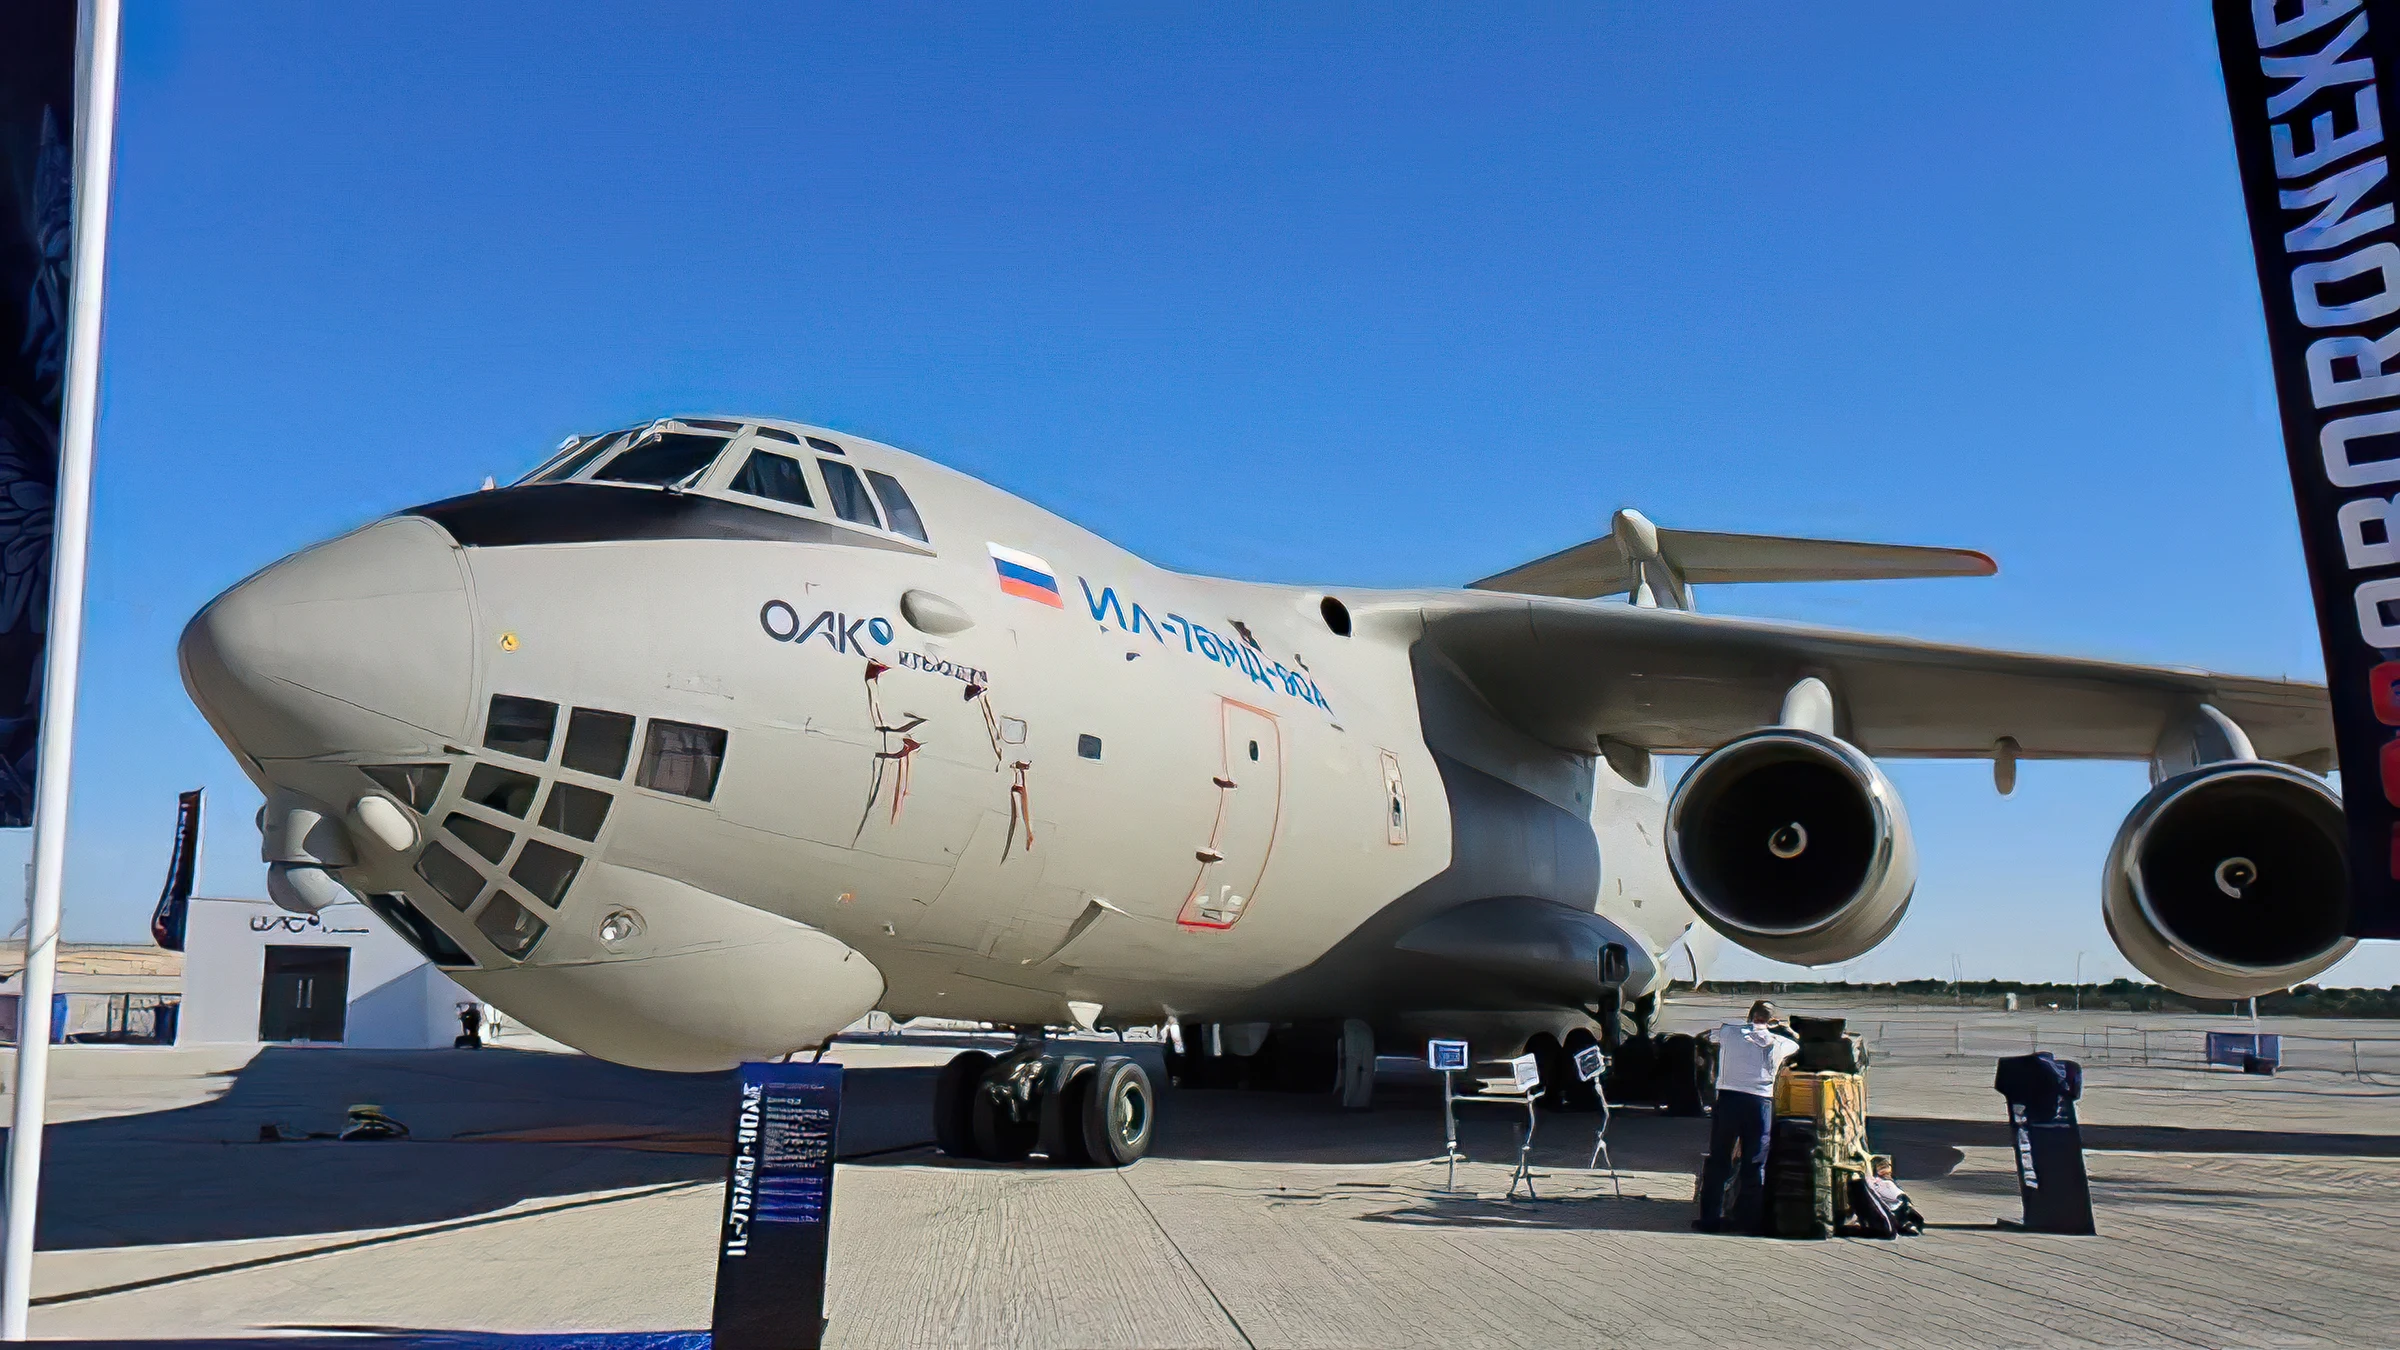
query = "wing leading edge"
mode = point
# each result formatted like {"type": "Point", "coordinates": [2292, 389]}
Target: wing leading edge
{"type": "Point", "coordinates": [1673, 682]}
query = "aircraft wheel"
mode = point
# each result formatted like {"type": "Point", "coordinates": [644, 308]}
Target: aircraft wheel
{"type": "Point", "coordinates": [954, 1094]}
{"type": "Point", "coordinates": [1633, 1075]}
{"type": "Point", "coordinates": [1576, 1094]}
{"type": "Point", "coordinates": [1119, 1113]}
{"type": "Point", "coordinates": [1300, 1057]}
{"type": "Point", "coordinates": [1062, 1116]}
{"type": "Point", "coordinates": [1679, 1066]}
{"type": "Point", "coordinates": [1354, 1082]}
{"type": "Point", "coordinates": [1547, 1058]}
{"type": "Point", "coordinates": [999, 1135]}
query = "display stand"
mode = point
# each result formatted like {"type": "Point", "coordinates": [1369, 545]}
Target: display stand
{"type": "Point", "coordinates": [1591, 1065]}
{"type": "Point", "coordinates": [772, 1249]}
{"type": "Point", "coordinates": [1450, 1057]}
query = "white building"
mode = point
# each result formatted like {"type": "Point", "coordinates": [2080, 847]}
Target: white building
{"type": "Point", "coordinates": [253, 972]}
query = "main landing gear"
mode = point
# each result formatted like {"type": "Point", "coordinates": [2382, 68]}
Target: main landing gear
{"type": "Point", "coordinates": [1677, 1072]}
{"type": "Point", "coordinates": [1075, 1110]}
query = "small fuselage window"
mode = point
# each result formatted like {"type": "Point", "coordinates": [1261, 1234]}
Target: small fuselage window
{"type": "Point", "coordinates": [670, 457]}
{"type": "Point", "coordinates": [897, 508]}
{"type": "Point", "coordinates": [849, 494]}
{"type": "Point", "coordinates": [775, 477]}
{"type": "Point", "coordinates": [520, 726]}
{"type": "Point", "coordinates": [510, 926]}
{"type": "Point", "coordinates": [598, 742]}
{"type": "Point", "coordinates": [683, 759]}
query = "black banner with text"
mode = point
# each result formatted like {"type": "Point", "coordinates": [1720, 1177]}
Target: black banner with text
{"type": "Point", "coordinates": [2304, 81]}
{"type": "Point", "coordinates": [37, 172]}
{"type": "Point", "coordinates": [183, 867]}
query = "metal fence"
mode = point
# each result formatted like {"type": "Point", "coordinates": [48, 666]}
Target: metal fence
{"type": "Point", "coordinates": [2364, 1058]}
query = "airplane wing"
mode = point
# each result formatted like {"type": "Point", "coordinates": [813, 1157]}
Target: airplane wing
{"type": "Point", "coordinates": [1674, 682]}
{"type": "Point", "coordinates": [1601, 566]}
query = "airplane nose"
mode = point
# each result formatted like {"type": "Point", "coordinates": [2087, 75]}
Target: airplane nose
{"type": "Point", "coordinates": [365, 642]}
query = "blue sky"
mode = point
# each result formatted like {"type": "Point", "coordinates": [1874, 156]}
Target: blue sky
{"type": "Point", "coordinates": [1366, 295]}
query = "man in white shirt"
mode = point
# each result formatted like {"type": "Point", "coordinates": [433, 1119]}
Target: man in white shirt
{"type": "Point", "coordinates": [1748, 1056]}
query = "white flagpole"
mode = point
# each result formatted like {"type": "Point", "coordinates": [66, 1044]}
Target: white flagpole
{"type": "Point", "coordinates": [96, 128]}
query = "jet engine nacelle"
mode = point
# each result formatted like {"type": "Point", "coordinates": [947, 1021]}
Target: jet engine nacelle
{"type": "Point", "coordinates": [1792, 843]}
{"type": "Point", "coordinates": [2228, 881]}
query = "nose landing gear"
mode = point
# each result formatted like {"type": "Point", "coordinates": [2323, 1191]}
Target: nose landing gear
{"type": "Point", "coordinates": [1077, 1111]}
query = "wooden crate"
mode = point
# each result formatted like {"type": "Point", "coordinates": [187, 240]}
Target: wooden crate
{"type": "Point", "coordinates": [1836, 1101]}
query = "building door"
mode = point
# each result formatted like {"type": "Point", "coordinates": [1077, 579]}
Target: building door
{"type": "Point", "coordinates": [305, 995]}
{"type": "Point", "coordinates": [1249, 803]}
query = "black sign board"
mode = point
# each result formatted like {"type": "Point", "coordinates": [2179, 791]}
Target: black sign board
{"type": "Point", "coordinates": [2041, 1091]}
{"type": "Point", "coordinates": [778, 1209]}
{"type": "Point", "coordinates": [2304, 80]}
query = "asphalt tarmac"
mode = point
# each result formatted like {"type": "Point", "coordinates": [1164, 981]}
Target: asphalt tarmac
{"type": "Point", "coordinates": [543, 1192]}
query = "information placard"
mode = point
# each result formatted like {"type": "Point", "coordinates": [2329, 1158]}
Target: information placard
{"type": "Point", "coordinates": [772, 1248]}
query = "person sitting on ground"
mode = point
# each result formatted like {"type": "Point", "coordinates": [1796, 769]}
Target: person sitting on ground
{"type": "Point", "coordinates": [1748, 1056]}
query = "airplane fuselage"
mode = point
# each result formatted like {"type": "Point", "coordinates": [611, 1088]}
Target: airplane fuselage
{"type": "Point", "coordinates": [1008, 773]}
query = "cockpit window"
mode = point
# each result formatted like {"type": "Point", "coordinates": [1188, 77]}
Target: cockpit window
{"type": "Point", "coordinates": [775, 477]}
{"type": "Point", "coordinates": [667, 458]}
{"type": "Point", "coordinates": [850, 500]}
{"type": "Point", "coordinates": [577, 459]}
{"type": "Point", "coordinates": [897, 508]}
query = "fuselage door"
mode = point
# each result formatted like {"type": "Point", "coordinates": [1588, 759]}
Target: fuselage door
{"type": "Point", "coordinates": [1249, 803]}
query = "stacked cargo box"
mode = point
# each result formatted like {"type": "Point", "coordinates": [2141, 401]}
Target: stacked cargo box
{"type": "Point", "coordinates": [1820, 1135]}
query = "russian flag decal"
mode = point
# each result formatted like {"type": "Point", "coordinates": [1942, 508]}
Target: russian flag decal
{"type": "Point", "coordinates": [1026, 576]}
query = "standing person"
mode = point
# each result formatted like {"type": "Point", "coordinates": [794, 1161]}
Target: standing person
{"type": "Point", "coordinates": [470, 1027]}
{"type": "Point", "coordinates": [1748, 1056]}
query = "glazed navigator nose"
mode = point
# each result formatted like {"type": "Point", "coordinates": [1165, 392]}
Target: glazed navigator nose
{"type": "Point", "coordinates": [361, 643]}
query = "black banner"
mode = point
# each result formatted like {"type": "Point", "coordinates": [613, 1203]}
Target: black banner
{"type": "Point", "coordinates": [175, 901]}
{"type": "Point", "coordinates": [778, 1209]}
{"type": "Point", "coordinates": [2304, 80]}
{"type": "Point", "coordinates": [37, 172]}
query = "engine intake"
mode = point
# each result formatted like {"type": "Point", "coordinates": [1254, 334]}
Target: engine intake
{"type": "Point", "coordinates": [2229, 881]}
{"type": "Point", "coordinates": [1793, 844]}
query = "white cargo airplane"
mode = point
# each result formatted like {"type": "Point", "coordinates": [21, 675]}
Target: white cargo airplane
{"type": "Point", "coordinates": [711, 735]}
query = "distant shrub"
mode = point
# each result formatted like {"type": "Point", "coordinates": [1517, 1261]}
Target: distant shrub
{"type": "Point", "coordinates": [2118, 995]}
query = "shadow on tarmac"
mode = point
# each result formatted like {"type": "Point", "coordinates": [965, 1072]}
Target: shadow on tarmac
{"type": "Point", "coordinates": [487, 1129]}
{"type": "Point", "coordinates": [494, 1128]}
{"type": "Point", "coordinates": [1892, 1134]}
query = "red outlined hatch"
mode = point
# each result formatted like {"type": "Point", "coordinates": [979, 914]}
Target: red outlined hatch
{"type": "Point", "coordinates": [1249, 809]}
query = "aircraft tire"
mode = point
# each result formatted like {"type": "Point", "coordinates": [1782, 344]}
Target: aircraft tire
{"type": "Point", "coordinates": [1120, 1114]}
{"type": "Point", "coordinates": [954, 1094]}
{"type": "Point", "coordinates": [1548, 1059]}
{"type": "Point", "coordinates": [1679, 1071]}
{"type": "Point", "coordinates": [1062, 1116]}
{"type": "Point", "coordinates": [1575, 1094]}
{"type": "Point", "coordinates": [999, 1135]}
{"type": "Point", "coordinates": [1354, 1079]}
{"type": "Point", "coordinates": [1300, 1057]}
{"type": "Point", "coordinates": [1633, 1075]}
